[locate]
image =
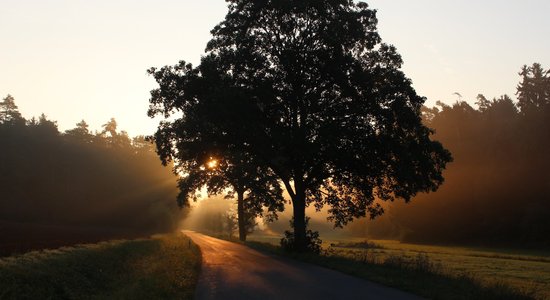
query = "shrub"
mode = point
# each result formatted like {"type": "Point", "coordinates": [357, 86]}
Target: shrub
{"type": "Point", "coordinates": [313, 243]}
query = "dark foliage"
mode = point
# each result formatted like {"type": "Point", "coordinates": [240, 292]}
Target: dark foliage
{"type": "Point", "coordinates": [309, 92]}
{"type": "Point", "coordinates": [60, 188]}
{"type": "Point", "coordinates": [534, 89]}
{"type": "Point", "coordinates": [497, 190]}
{"type": "Point", "coordinates": [313, 242]}
{"type": "Point", "coordinates": [202, 160]}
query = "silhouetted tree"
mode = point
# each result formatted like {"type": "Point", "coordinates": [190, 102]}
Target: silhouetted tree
{"type": "Point", "coordinates": [219, 169]}
{"type": "Point", "coordinates": [80, 133]}
{"type": "Point", "coordinates": [114, 138]}
{"type": "Point", "coordinates": [482, 102]}
{"type": "Point", "coordinates": [231, 222]}
{"type": "Point", "coordinates": [9, 112]}
{"type": "Point", "coordinates": [110, 128]}
{"type": "Point", "coordinates": [502, 109]}
{"type": "Point", "coordinates": [248, 222]}
{"type": "Point", "coordinates": [308, 90]}
{"type": "Point", "coordinates": [46, 126]}
{"type": "Point", "coordinates": [534, 90]}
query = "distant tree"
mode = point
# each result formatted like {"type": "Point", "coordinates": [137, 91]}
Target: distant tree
{"type": "Point", "coordinates": [9, 112]}
{"type": "Point", "coordinates": [110, 128]}
{"type": "Point", "coordinates": [482, 102]}
{"type": "Point", "coordinates": [497, 111]}
{"type": "Point", "coordinates": [231, 222]}
{"type": "Point", "coordinates": [142, 144]}
{"type": "Point", "coordinates": [428, 114]}
{"type": "Point", "coordinates": [80, 132]}
{"type": "Point", "coordinates": [308, 90]}
{"type": "Point", "coordinates": [46, 126]}
{"type": "Point", "coordinates": [503, 108]}
{"type": "Point", "coordinates": [534, 90]}
{"type": "Point", "coordinates": [114, 138]}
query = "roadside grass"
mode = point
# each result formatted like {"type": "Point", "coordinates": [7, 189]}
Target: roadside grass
{"type": "Point", "coordinates": [418, 274]}
{"type": "Point", "coordinates": [162, 267]}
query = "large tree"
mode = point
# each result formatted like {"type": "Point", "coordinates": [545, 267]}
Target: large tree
{"type": "Point", "coordinates": [308, 90]}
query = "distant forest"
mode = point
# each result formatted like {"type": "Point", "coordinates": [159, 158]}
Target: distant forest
{"type": "Point", "coordinates": [497, 190]}
{"type": "Point", "coordinates": [59, 188]}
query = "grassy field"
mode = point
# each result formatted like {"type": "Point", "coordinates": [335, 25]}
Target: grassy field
{"type": "Point", "coordinates": [525, 273]}
{"type": "Point", "coordinates": [526, 270]}
{"type": "Point", "coordinates": [22, 237]}
{"type": "Point", "coordinates": [162, 267]}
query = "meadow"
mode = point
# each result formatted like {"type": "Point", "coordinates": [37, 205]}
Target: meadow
{"type": "Point", "coordinates": [164, 266]}
{"type": "Point", "coordinates": [517, 274]}
{"type": "Point", "coordinates": [22, 237]}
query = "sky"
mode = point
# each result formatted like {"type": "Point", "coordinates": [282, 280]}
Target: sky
{"type": "Point", "coordinates": [84, 59]}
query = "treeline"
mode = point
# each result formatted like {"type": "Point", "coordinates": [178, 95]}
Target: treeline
{"type": "Point", "coordinates": [497, 190]}
{"type": "Point", "coordinates": [77, 185]}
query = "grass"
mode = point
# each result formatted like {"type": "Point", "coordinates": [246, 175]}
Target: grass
{"type": "Point", "coordinates": [524, 270]}
{"type": "Point", "coordinates": [22, 237]}
{"type": "Point", "coordinates": [163, 267]}
{"type": "Point", "coordinates": [435, 272]}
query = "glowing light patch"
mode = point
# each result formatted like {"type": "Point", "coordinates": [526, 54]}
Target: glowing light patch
{"type": "Point", "coordinates": [213, 163]}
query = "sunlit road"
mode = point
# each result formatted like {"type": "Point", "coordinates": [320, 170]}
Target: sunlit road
{"type": "Point", "coordinates": [234, 271]}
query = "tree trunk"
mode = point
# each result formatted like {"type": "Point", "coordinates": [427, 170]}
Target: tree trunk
{"type": "Point", "coordinates": [299, 207]}
{"type": "Point", "coordinates": [241, 216]}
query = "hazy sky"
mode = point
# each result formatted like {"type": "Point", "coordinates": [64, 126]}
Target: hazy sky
{"type": "Point", "coordinates": [87, 59]}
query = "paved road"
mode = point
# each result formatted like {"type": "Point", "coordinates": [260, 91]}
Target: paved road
{"type": "Point", "coordinates": [234, 271]}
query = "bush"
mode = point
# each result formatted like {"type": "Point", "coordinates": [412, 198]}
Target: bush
{"type": "Point", "coordinates": [313, 243]}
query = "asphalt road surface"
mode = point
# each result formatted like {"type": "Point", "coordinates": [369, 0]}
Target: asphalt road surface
{"type": "Point", "coordinates": [234, 271]}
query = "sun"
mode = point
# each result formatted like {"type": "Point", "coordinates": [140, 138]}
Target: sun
{"type": "Point", "coordinates": [212, 163]}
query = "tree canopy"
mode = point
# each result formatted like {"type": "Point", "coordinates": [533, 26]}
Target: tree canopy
{"type": "Point", "coordinates": [9, 112]}
{"type": "Point", "coordinates": [308, 90]}
{"type": "Point", "coordinates": [194, 143]}
{"type": "Point", "coordinates": [534, 89]}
